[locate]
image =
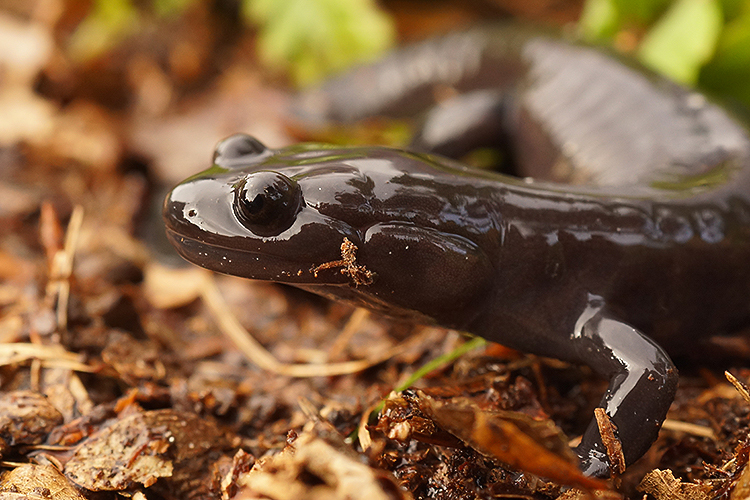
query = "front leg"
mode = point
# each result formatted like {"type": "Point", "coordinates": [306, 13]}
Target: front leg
{"type": "Point", "coordinates": [643, 382]}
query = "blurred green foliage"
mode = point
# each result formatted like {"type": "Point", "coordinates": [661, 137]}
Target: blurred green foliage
{"type": "Point", "coordinates": [109, 22]}
{"type": "Point", "coordinates": [166, 8]}
{"type": "Point", "coordinates": [313, 38]}
{"type": "Point", "coordinates": [309, 39]}
{"type": "Point", "coordinates": [696, 42]}
{"type": "Point", "coordinates": [683, 39]}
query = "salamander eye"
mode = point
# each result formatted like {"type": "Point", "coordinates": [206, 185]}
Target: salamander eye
{"type": "Point", "coordinates": [267, 202]}
{"type": "Point", "coordinates": [238, 150]}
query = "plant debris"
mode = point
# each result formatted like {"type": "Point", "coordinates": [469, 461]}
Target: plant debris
{"type": "Point", "coordinates": [662, 485]}
{"type": "Point", "coordinates": [359, 274]}
{"type": "Point", "coordinates": [26, 417]}
{"type": "Point", "coordinates": [141, 448]}
{"type": "Point", "coordinates": [312, 468]}
{"type": "Point", "coordinates": [608, 432]}
{"type": "Point", "coordinates": [37, 482]}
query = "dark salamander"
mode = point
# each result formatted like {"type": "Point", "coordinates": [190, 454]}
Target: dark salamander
{"type": "Point", "coordinates": [633, 236]}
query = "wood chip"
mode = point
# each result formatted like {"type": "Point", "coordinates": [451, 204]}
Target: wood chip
{"type": "Point", "coordinates": [608, 432]}
{"type": "Point", "coordinates": [662, 485]}
{"type": "Point", "coordinates": [576, 494]}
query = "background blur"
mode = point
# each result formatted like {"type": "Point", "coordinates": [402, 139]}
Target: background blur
{"type": "Point", "coordinates": [107, 82]}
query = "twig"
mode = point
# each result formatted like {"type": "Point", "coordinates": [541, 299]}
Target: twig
{"type": "Point", "coordinates": [258, 354]}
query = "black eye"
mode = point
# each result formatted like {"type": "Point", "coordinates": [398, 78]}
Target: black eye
{"type": "Point", "coordinates": [238, 150]}
{"type": "Point", "coordinates": [267, 202]}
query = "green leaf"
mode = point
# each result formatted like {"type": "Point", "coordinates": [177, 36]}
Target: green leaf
{"type": "Point", "coordinates": [729, 71]}
{"type": "Point", "coordinates": [599, 20]}
{"type": "Point", "coordinates": [603, 19]}
{"type": "Point", "coordinates": [733, 49]}
{"type": "Point", "coordinates": [734, 8]}
{"type": "Point", "coordinates": [313, 38]}
{"type": "Point", "coordinates": [166, 8]}
{"type": "Point", "coordinates": [642, 11]}
{"type": "Point", "coordinates": [683, 39]}
{"type": "Point", "coordinates": [109, 22]}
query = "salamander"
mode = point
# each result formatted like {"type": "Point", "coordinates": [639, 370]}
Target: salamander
{"type": "Point", "coordinates": [624, 233]}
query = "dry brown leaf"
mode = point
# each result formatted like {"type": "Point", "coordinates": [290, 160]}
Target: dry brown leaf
{"type": "Point", "coordinates": [688, 428]}
{"type": "Point", "coordinates": [133, 359]}
{"type": "Point", "coordinates": [37, 482]}
{"type": "Point", "coordinates": [662, 485]}
{"type": "Point", "coordinates": [742, 487]}
{"type": "Point", "coordinates": [182, 142]}
{"type": "Point", "coordinates": [312, 469]}
{"type": "Point", "coordinates": [402, 419]}
{"type": "Point", "coordinates": [25, 418]}
{"type": "Point", "coordinates": [242, 462]}
{"type": "Point", "coordinates": [515, 439]}
{"type": "Point", "coordinates": [141, 448]}
{"type": "Point", "coordinates": [576, 494]}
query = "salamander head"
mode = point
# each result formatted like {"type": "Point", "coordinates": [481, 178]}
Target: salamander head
{"type": "Point", "coordinates": [261, 214]}
{"type": "Point", "coordinates": [362, 224]}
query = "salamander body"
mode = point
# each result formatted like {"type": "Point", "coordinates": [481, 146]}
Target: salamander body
{"type": "Point", "coordinates": [625, 232]}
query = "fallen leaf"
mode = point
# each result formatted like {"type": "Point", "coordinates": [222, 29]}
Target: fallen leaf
{"type": "Point", "coordinates": [515, 439]}
{"type": "Point", "coordinates": [141, 448]}
{"type": "Point", "coordinates": [26, 417]}
{"type": "Point", "coordinates": [313, 469]}
{"type": "Point", "coordinates": [32, 481]}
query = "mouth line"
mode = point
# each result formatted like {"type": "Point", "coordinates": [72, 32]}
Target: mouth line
{"type": "Point", "coordinates": [247, 263]}
{"type": "Point", "coordinates": [179, 237]}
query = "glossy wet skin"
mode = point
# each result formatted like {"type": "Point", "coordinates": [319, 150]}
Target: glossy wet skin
{"type": "Point", "coordinates": [360, 195]}
{"type": "Point", "coordinates": [587, 274]}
